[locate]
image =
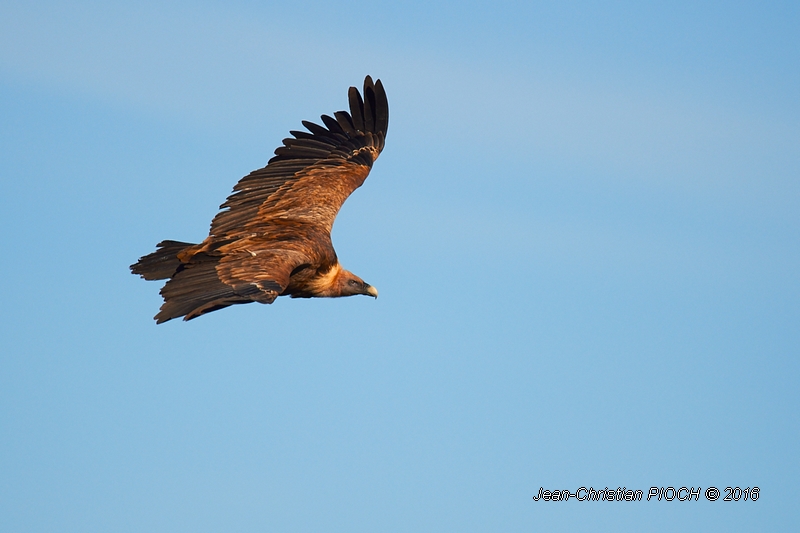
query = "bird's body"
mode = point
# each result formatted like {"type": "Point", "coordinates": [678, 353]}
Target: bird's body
{"type": "Point", "coordinates": [273, 235]}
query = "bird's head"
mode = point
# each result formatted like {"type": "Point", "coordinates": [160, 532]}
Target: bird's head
{"type": "Point", "coordinates": [350, 285]}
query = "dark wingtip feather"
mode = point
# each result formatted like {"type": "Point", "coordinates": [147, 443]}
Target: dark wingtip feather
{"type": "Point", "coordinates": [356, 108]}
{"type": "Point", "coordinates": [346, 122]}
{"type": "Point", "coordinates": [369, 105]}
{"type": "Point", "coordinates": [332, 124]}
{"type": "Point", "coordinates": [381, 109]}
{"type": "Point", "coordinates": [316, 129]}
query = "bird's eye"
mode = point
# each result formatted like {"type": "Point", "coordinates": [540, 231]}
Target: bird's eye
{"type": "Point", "coordinates": [353, 282]}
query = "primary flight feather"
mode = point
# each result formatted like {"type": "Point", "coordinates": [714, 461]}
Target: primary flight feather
{"type": "Point", "coordinates": [272, 236]}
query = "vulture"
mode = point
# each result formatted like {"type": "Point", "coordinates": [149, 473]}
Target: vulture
{"type": "Point", "coordinates": [272, 236]}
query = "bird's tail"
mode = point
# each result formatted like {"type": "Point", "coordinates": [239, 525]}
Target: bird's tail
{"type": "Point", "coordinates": [193, 288]}
{"type": "Point", "coordinates": [162, 263]}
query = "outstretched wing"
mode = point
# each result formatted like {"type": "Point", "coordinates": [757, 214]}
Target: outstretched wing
{"type": "Point", "coordinates": [313, 173]}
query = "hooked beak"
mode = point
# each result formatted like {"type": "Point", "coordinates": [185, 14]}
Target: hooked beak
{"type": "Point", "coordinates": [372, 291]}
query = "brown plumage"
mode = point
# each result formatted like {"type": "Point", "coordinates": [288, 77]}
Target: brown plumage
{"type": "Point", "coordinates": [273, 235]}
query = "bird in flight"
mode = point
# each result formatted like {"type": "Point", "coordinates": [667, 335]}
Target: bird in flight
{"type": "Point", "coordinates": [272, 236]}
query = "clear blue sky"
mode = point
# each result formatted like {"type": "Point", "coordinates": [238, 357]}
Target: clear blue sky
{"type": "Point", "coordinates": [585, 229]}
